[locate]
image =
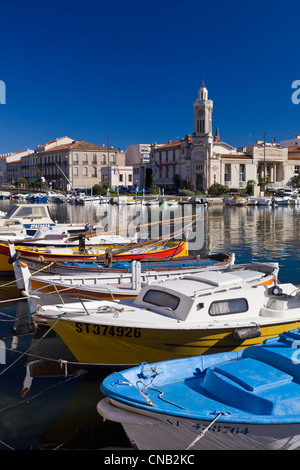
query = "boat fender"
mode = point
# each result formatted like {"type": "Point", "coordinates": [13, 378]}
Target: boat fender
{"type": "Point", "coordinates": [13, 258]}
{"type": "Point", "coordinates": [241, 334]}
{"type": "Point", "coordinates": [275, 290]}
{"type": "Point", "coordinates": [88, 227]}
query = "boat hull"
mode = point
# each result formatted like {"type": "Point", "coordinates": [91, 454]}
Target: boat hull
{"type": "Point", "coordinates": [119, 345]}
{"type": "Point", "coordinates": [154, 431]}
{"type": "Point", "coordinates": [96, 253]}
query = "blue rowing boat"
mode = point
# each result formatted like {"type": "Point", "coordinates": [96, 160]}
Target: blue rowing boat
{"type": "Point", "coordinates": [239, 400]}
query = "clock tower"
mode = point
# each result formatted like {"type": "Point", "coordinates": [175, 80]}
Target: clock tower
{"type": "Point", "coordinates": [203, 108]}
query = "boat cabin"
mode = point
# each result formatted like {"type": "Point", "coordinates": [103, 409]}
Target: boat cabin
{"type": "Point", "coordinates": [32, 216]}
{"type": "Point", "coordinates": [206, 296]}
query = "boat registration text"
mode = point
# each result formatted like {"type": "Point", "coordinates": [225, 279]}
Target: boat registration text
{"type": "Point", "coordinates": [105, 330]}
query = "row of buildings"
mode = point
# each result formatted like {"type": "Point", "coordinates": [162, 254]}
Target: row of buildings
{"type": "Point", "coordinates": [197, 160]}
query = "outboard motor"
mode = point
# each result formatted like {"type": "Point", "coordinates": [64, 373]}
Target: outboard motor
{"type": "Point", "coordinates": [81, 240]}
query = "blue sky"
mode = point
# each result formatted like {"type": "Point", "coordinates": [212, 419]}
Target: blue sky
{"type": "Point", "coordinates": [131, 70]}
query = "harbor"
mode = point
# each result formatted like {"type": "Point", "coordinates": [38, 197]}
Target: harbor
{"type": "Point", "coordinates": [49, 399]}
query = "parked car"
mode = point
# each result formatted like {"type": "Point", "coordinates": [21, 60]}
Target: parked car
{"type": "Point", "coordinates": [288, 192]}
{"type": "Point", "coordinates": [199, 200]}
{"type": "Point", "coordinates": [7, 185]}
{"type": "Point", "coordinates": [172, 191]}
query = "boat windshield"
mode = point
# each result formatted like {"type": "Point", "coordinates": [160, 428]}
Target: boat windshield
{"type": "Point", "coordinates": [161, 299]}
{"type": "Point", "coordinates": [26, 211]}
{"type": "Point", "coordinates": [11, 212]}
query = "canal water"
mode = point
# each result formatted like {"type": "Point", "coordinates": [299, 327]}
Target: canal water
{"type": "Point", "coordinates": [46, 404]}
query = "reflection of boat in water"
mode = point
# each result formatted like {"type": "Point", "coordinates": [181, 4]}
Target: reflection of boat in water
{"type": "Point", "coordinates": [235, 401]}
{"type": "Point", "coordinates": [47, 403]}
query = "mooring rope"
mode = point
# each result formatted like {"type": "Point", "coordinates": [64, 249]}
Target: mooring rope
{"type": "Point", "coordinates": [203, 432]}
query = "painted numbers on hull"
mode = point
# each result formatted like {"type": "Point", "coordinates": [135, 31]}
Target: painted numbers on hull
{"type": "Point", "coordinates": [105, 330]}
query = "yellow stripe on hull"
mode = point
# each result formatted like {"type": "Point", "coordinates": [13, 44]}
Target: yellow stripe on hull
{"type": "Point", "coordinates": [116, 345]}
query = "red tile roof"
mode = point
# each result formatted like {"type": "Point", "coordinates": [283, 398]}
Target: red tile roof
{"type": "Point", "coordinates": [77, 145]}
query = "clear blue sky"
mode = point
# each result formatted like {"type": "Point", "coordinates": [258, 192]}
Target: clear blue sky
{"type": "Point", "coordinates": [131, 70]}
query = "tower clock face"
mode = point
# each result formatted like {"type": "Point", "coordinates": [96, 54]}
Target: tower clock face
{"type": "Point", "coordinates": [200, 113]}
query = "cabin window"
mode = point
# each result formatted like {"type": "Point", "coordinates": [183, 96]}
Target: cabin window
{"type": "Point", "coordinates": [229, 306]}
{"type": "Point", "coordinates": [161, 299]}
{"type": "Point", "coordinates": [31, 212]}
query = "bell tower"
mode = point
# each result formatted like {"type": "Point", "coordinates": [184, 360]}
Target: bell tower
{"type": "Point", "coordinates": [203, 108]}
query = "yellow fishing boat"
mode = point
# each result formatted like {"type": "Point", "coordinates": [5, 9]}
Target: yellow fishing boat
{"type": "Point", "coordinates": [150, 249]}
{"type": "Point", "coordinates": [197, 314]}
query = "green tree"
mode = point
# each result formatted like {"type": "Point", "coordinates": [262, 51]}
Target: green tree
{"type": "Point", "coordinates": [249, 187]}
{"type": "Point", "coordinates": [217, 189]}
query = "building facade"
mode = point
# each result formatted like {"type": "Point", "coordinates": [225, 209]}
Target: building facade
{"type": "Point", "coordinates": [71, 164]}
{"type": "Point", "coordinates": [202, 159]}
{"type": "Point", "coordinates": [138, 156]}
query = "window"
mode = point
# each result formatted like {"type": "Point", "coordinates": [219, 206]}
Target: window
{"type": "Point", "coordinates": [94, 158]}
{"type": "Point", "coordinates": [75, 170]}
{"type": "Point", "coordinates": [161, 299]}
{"type": "Point", "coordinates": [121, 178]}
{"type": "Point", "coordinates": [75, 158]}
{"type": "Point", "coordinates": [200, 125]}
{"type": "Point", "coordinates": [32, 211]}
{"type": "Point", "coordinates": [229, 306]}
{"type": "Point", "coordinates": [103, 159]}
{"type": "Point", "coordinates": [296, 170]}
{"type": "Point", "coordinates": [227, 173]}
{"type": "Point", "coordinates": [130, 178]}
{"type": "Point", "coordinates": [242, 173]}
{"type": "Point", "coordinates": [94, 171]}
{"type": "Point", "coordinates": [85, 158]}
{"type": "Point", "coordinates": [85, 171]}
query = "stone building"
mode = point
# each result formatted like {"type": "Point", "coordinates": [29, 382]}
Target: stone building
{"type": "Point", "coordinates": [66, 163]}
{"type": "Point", "coordinates": [202, 159]}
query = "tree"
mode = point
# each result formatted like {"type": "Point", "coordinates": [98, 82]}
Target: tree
{"type": "Point", "coordinates": [21, 182]}
{"type": "Point", "coordinates": [296, 181]}
{"type": "Point", "coordinates": [153, 187]}
{"type": "Point", "coordinates": [249, 187]}
{"type": "Point", "coordinates": [217, 189]}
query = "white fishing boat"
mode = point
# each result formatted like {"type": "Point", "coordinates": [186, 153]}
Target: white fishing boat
{"type": "Point", "coordinates": [259, 201]}
{"type": "Point", "coordinates": [198, 314]}
{"type": "Point", "coordinates": [241, 400]}
{"type": "Point", "coordinates": [125, 201]}
{"type": "Point", "coordinates": [123, 280]}
{"type": "Point", "coordinates": [230, 200]}
{"type": "Point", "coordinates": [151, 202]}
{"type": "Point", "coordinates": [36, 216]}
{"type": "Point", "coordinates": [170, 202]}
{"type": "Point", "coordinates": [96, 199]}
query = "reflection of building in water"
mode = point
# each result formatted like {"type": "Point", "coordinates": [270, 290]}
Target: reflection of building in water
{"type": "Point", "coordinates": [264, 231]}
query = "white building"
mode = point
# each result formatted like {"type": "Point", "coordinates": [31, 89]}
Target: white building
{"type": "Point", "coordinates": [201, 159]}
{"type": "Point", "coordinates": [138, 156]}
{"type": "Point", "coordinates": [10, 169]}
{"type": "Point", "coordinates": [291, 142]}
{"type": "Point", "coordinates": [193, 160]}
{"type": "Point", "coordinates": [115, 176]}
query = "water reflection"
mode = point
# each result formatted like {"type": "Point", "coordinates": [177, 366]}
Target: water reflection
{"type": "Point", "coordinates": [46, 404]}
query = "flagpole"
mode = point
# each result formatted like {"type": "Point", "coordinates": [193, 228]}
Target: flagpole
{"type": "Point", "coordinates": [264, 161]}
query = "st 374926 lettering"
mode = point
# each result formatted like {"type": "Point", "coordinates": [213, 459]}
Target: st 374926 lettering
{"type": "Point", "coordinates": [105, 330]}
